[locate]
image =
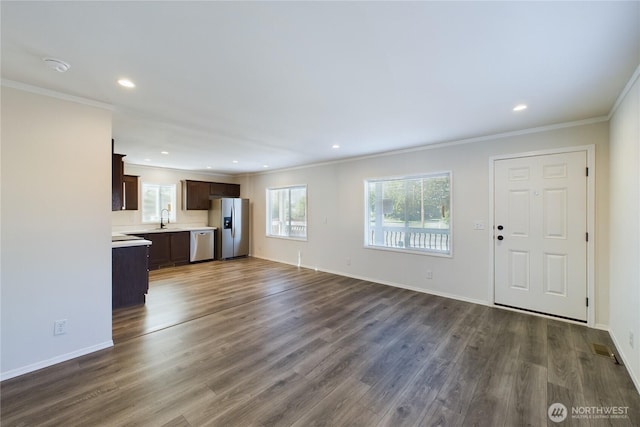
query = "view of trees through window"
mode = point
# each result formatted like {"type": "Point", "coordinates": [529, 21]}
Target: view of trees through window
{"type": "Point", "coordinates": [410, 212]}
{"type": "Point", "coordinates": [287, 209]}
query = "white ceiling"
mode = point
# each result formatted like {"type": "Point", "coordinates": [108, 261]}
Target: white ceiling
{"type": "Point", "coordinates": [278, 83]}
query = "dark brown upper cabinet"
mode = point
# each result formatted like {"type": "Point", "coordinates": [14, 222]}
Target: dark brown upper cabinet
{"type": "Point", "coordinates": [130, 184]}
{"type": "Point", "coordinates": [196, 194]}
{"type": "Point", "coordinates": [117, 180]}
{"type": "Point", "coordinates": [219, 189]}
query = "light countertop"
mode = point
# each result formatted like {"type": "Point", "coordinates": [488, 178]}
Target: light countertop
{"type": "Point", "coordinates": [127, 241]}
{"type": "Point", "coordinates": [125, 238]}
{"type": "Point", "coordinates": [160, 230]}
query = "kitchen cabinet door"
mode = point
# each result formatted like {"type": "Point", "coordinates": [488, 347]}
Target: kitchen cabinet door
{"type": "Point", "coordinates": [117, 177]}
{"type": "Point", "coordinates": [160, 250]}
{"type": "Point", "coordinates": [130, 192]}
{"type": "Point", "coordinates": [196, 195]}
{"type": "Point", "coordinates": [180, 247]}
{"type": "Point", "coordinates": [168, 248]}
{"type": "Point", "coordinates": [220, 189]}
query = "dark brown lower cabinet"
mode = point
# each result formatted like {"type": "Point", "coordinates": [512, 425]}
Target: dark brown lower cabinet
{"type": "Point", "coordinates": [160, 250]}
{"type": "Point", "coordinates": [129, 276]}
{"type": "Point", "coordinates": [168, 249]}
{"type": "Point", "coordinates": [180, 247]}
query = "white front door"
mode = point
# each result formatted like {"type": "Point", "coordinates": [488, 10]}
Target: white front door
{"type": "Point", "coordinates": [541, 233]}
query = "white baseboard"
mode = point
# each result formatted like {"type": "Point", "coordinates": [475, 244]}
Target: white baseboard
{"type": "Point", "coordinates": [54, 360]}
{"type": "Point", "coordinates": [601, 326]}
{"type": "Point", "coordinates": [383, 282]}
{"type": "Point", "coordinates": [625, 361]}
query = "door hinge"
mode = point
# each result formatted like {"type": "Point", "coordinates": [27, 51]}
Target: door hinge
{"type": "Point", "coordinates": [587, 171]}
{"type": "Point", "coordinates": [587, 236]}
{"type": "Point", "coordinates": [587, 301]}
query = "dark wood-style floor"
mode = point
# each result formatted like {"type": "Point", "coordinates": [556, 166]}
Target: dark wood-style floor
{"type": "Point", "coordinates": [251, 342]}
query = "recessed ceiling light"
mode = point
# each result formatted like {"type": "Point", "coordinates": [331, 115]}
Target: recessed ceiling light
{"type": "Point", "coordinates": [520, 107]}
{"type": "Point", "coordinates": [147, 160]}
{"type": "Point", "coordinates": [235, 161]}
{"type": "Point", "coordinates": [164, 152]}
{"type": "Point", "coordinates": [208, 167]}
{"type": "Point", "coordinates": [126, 83]}
{"type": "Point", "coordinates": [335, 146]}
{"type": "Point", "coordinates": [265, 166]}
{"type": "Point", "coordinates": [57, 64]}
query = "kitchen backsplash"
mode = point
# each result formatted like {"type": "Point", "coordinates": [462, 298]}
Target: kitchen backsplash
{"type": "Point", "coordinates": [131, 220]}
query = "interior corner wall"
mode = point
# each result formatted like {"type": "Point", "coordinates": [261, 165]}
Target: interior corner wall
{"type": "Point", "coordinates": [625, 230]}
{"type": "Point", "coordinates": [336, 215]}
{"type": "Point", "coordinates": [55, 246]}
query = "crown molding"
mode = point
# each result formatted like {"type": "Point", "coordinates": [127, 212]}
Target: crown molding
{"type": "Point", "coordinates": [53, 94]}
{"type": "Point", "coordinates": [443, 144]}
{"type": "Point", "coordinates": [194, 171]}
{"type": "Point", "coordinates": [625, 91]}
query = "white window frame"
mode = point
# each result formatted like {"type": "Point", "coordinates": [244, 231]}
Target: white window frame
{"type": "Point", "coordinates": [154, 218]}
{"type": "Point", "coordinates": [406, 239]}
{"type": "Point", "coordinates": [287, 225]}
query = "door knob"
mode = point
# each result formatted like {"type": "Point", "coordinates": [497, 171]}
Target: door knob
{"type": "Point", "coordinates": [500, 237]}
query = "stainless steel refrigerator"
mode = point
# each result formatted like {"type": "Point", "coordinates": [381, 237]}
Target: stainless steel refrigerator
{"type": "Point", "coordinates": [231, 217]}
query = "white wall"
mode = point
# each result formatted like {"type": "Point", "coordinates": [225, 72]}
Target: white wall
{"type": "Point", "coordinates": [625, 228]}
{"type": "Point", "coordinates": [55, 231]}
{"type": "Point", "coordinates": [132, 220]}
{"type": "Point", "coordinates": [335, 192]}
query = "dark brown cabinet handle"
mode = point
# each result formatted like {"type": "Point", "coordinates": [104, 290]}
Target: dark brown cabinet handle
{"type": "Point", "coordinates": [500, 237]}
{"type": "Point", "coordinates": [500, 227]}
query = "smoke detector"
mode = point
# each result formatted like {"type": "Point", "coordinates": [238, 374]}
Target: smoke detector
{"type": "Point", "coordinates": [57, 64]}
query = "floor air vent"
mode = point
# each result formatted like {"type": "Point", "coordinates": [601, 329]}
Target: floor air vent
{"type": "Point", "coordinates": [603, 350]}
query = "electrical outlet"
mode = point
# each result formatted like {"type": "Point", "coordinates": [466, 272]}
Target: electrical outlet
{"type": "Point", "coordinates": [631, 339]}
{"type": "Point", "coordinates": [60, 327]}
{"type": "Point", "coordinates": [429, 274]}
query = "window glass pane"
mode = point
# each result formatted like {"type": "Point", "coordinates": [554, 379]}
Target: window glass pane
{"type": "Point", "coordinates": [274, 208]}
{"type": "Point", "coordinates": [287, 212]}
{"type": "Point", "coordinates": [156, 197]}
{"type": "Point", "coordinates": [409, 213]}
{"type": "Point", "coordinates": [149, 202]}
{"type": "Point", "coordinates": [298, 204]}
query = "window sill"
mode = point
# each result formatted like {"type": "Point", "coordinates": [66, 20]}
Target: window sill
{"type": "Point", "coordinates": [409, 251]}
{"type": "Point", "coordinates": [298, 239]}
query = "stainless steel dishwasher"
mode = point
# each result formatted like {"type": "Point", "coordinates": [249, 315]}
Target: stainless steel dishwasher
{"type": "Point", "coordinates": [201, 245]}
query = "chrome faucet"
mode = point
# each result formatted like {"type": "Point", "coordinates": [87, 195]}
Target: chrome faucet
{"type": "Point", "coordinates": [162, 224]}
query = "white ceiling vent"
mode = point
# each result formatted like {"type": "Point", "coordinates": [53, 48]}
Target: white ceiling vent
{"type": "Point", "coordinates": [57, 64]}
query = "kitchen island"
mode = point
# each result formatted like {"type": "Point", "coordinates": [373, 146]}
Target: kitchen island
{"type": "Point", "coordinates": [129, 270]}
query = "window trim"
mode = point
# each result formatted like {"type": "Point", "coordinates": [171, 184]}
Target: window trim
{"type": "Point", "coordinates": [268, 212]}
{"type": "Point", "coordinates": [425, 252]}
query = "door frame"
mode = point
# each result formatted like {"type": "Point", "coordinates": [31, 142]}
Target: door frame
{"type": "Point", "coordinates": [591, 209]}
